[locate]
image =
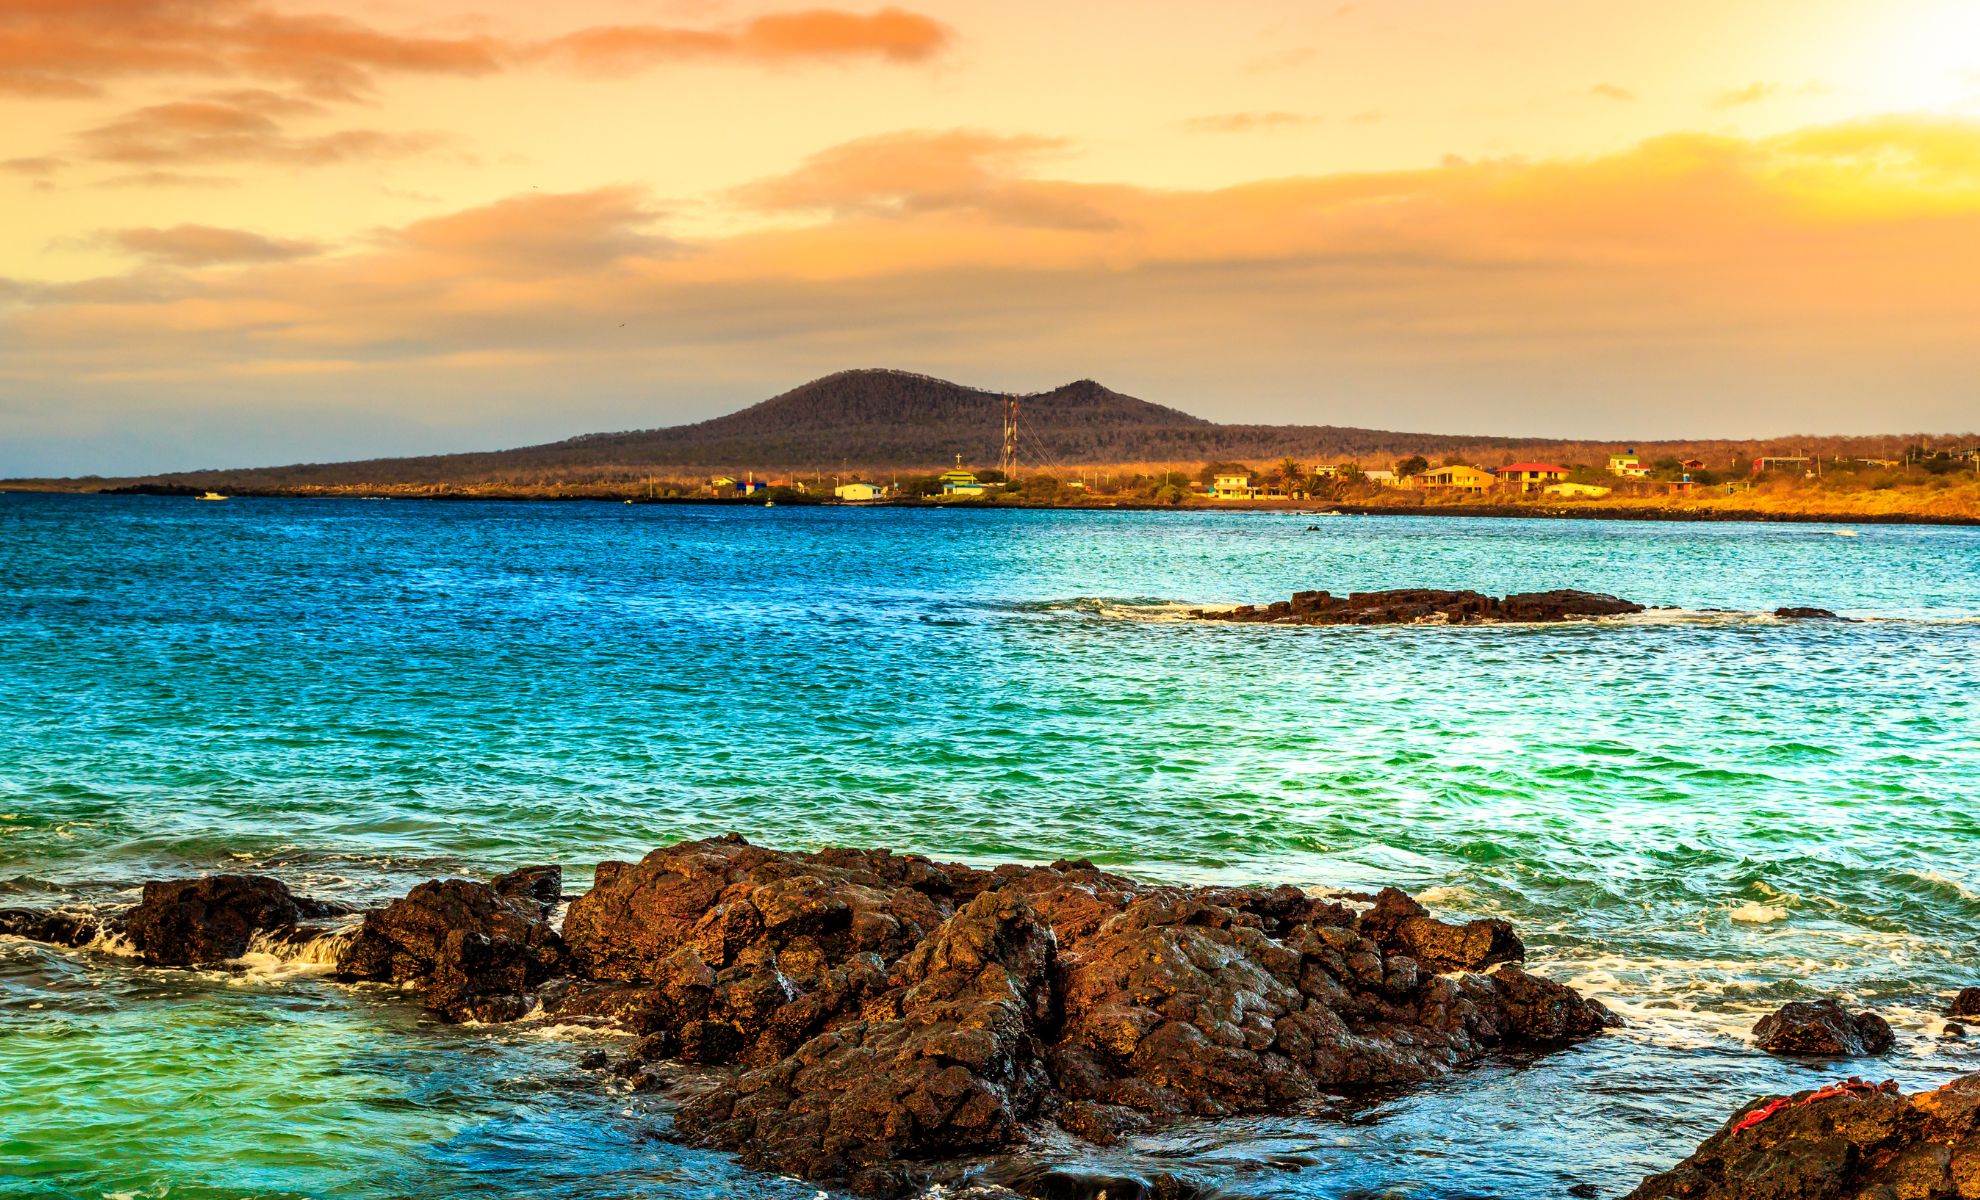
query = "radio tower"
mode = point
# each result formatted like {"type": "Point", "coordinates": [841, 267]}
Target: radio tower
{"type": "Point", "coordinates": [1007, 462]}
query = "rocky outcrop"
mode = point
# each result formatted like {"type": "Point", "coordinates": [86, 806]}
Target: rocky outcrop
{"type": "Point", "coordinates": [1966, 1004]}
{"type": "Point", "coordinates": [1402, 926]}
{"type": "Point", "coordinates": [1806, 614]}
{"type": "Point", "coordinates": [50, 925]}
{"type": "Point", "coordinates": [186, 922]}
{"type": "Point", "coordinates": [1851, 1141]}
{"type": "Point", "coordinates": [474, 951]}
{"type": "Point", "coordinates": [1419, 606]}
{"type": "Point", "coordinates": [1823, 1029]}
{"type": "Point", "coordinates": [946, 1062]}
{"type": "Point", "coordinates": [885, 1011]}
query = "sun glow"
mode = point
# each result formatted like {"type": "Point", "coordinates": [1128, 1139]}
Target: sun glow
{"type": "Point", "coordinates": [1926, 60]}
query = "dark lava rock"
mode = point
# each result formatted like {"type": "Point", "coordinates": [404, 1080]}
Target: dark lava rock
{"type": "Point", "coordinates": [887, 1010]}
{"type": "Point", "coordinates": [946, 1062]}
{"type": "Point", "coordinates": [476, 951]}
{"type": "Point", "coordinates": [52, 926]}
{"type": "Point", "coordinates": [1040, 1181]}
{"type": "Point", "coordinates": [1401, 926]}
{"type": "Point", "coordinates": [1953, 1031]}
{"type": "Point", "coordinates": [180, 922]}
{"type": "Point", "coordinates": [1853, 1142]}
{"type": "Point", "coordinates": [1966, 1004]}
{"type": "Point", "coordinates": [1806, 614]}
{"type": "Point", "coordinates": [1409, 606]}
{"type": "Point", "coordinates": [1823, 1029]}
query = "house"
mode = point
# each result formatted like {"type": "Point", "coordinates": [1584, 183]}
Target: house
{"type": "Point", "coordinates": [1781, 462]}
{"type": "Point", "coordinates": [1384, 478]}
{"type": "Point", "coordinates": [859, 493]}
{"type": "Point", "coordinates": [1530, 476]}
{"type": "Point", "coordinates": [1577, 491]}
{"type": "Point", "coordinates": [721, 484]}
{"type": "Point", "coordinates": [751, 486]}
{"type": "Point", "coordinates": [1232, 487]}
{"type": "Point", "coordinates": [958, 482]}
{"type": "Point", "coordinates": [1628, 465]}
{"type": "Point", "coordinates": [1457, 478]}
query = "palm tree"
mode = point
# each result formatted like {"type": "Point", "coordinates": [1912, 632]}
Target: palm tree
{"type": "Point", "coordinates": [1291, 475]}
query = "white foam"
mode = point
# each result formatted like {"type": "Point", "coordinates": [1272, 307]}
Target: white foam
{"type": "Point", "coordinates": [1758, 914]}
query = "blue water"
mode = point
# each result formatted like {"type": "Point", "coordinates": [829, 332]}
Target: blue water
{"type": "Point", "coordinates": [1694, 814]}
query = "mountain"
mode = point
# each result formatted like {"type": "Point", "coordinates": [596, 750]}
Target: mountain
{"type": "Point", "coordinates": [885, 420]}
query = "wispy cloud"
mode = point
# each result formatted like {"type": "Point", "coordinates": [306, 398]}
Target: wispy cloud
{"type": "Point", "coordinates": [1610, 91]}
{"type": "Point", "coordinates": [206, 245]}
{"type": "Point", "coordinates": [1752, 93]}
{"type": "Point", "coordinates": [1248, 122]}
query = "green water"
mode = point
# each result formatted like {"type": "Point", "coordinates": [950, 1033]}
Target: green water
{"type": "Point", "coordinates": [1692, 814]}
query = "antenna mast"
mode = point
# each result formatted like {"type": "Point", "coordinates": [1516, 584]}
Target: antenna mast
{"type": "Point", "coordinates": [1007, 461]}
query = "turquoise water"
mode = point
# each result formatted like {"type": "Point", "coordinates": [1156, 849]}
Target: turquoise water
{"type": "Point", "coordinates": [1695, 814]}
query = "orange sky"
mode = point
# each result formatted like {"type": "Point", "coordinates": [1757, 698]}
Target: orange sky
{"type": "Point", "coordinates": [249, 231]}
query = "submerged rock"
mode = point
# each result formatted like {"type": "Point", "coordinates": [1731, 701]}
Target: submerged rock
{"type": "Point", "coordinates": [1410, 606]}
{"type": "Point", "coordinates": [886, 1011]}
{"type": "Point", "coordinates": [1806, 614]}
{"type": "Point", "coordinates": [1823, 1029]}
{"type": "Point", "coordinates": [184, 922]}
{"type": "Point", "coordinates": [1966, 1004]}
{"type": "Point", "coordinates": [475, 951]}
{"type": "Point", "coordinates": [52, 926]}
{"type": "Point", "coordinates": [1851, 1141]}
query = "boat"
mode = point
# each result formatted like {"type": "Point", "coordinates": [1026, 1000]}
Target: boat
{"type": "Point", "coordinates": [769, 504]}
{"type": "Point", "coordinates": [212, 496]}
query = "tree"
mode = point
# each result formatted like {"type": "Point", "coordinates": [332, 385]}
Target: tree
{"type": "Point", "coordinates": [1415, 464]}
{"type": "Point", "coordinates": [1291, 476]}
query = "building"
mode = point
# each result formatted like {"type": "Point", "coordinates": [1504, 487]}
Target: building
{"type": "Point", "coordinates": [1692, 464]}
{"type": "Point", "coordinates": [958, 482]}
{"type": "Point", "coordinates": [1384, 478]}
{"type": "Point", "coordinates": [1530, 476]}
{"type": "Point", "coordinates": [1782, 462]}
{"type": "Point", "coordinates": [859, 493]}
{"type": "Point", "coordinates": [1232, 487]}
{"type": "Point", "coordinates": [1577, 491]}
{"type": "Point", "coordinates": [1628, 465]}
{"type": "Point", "coordinates": [1459, 478]}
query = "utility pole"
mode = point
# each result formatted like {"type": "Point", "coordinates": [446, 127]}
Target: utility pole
{"type": "Point", "coordinates": [1007, 460]}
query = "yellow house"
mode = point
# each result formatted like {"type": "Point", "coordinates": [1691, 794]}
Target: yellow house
{"type": "Point", "coordinates": [1628, 465]}
{"type": "Point", "coordinates": [859, 493]}
{"type": "Point", "coordinates": [1233, 487]}
{"type": "Point", "coordinates": [958, 482]}
{"type": "Point", "coordinates": [1530, 476]}
{"type": "Point", "coordinates": [1458, 478]}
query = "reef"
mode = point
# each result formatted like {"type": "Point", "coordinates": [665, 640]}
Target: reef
{"type": "Point", "coordinates": [1425, 606]}
{"type": "Point", "coordinates": [1823, 1029]}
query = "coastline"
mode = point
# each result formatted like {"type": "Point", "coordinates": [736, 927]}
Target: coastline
{"type": "Point", "coordinates": [1552, 512]}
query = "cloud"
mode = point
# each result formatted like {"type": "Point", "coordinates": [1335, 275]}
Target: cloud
{"type": "Point", "coordinates": [1248, 122]}
{"type": "Point", "coordinates": [1690, 276]}
{"type": "Point", "coordinates": [38, 166]}
{"type": "Point", "coordinates": [1752, 93]}
{"type": "Point", "coordinates": [206, 245]}
{"type": "Point", "coordinates": [158, 179]}
{"type": "Point", "coordinates": [1609, 91]}
{"type": "Point", "coordinates": [918, 172]}
{"type": "Point", "coordinates": [73, 48]}
{"type": "Point", "coordinates": [213, 130]}
{"type": "Point", "coordinates": [889, 33]}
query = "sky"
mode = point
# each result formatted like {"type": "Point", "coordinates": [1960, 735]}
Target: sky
{"type": "Point", "coordinates": [245, 232]}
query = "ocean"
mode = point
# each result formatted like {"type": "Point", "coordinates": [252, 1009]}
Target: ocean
{"type": "Point", "coordinates": [1694, 814]}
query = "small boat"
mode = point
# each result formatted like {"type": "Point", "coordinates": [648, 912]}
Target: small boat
{"type": "Point", "coordinates": [769, 504]}
{"type": "Point", "coordinates": [212, 496]}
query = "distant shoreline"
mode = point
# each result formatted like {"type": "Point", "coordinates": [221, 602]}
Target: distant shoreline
{"type": "Point", "coordinates": [1579, 512]}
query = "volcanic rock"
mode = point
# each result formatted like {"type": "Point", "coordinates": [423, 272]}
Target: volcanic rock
{"type": "Point", "coordinates": [52, 926]}
{"type": "Point", "coordinates": [947, 1062]}
{"type": "Point", "coordinates": [1402, 926]}
{"type": "Point", "coordinates": [476, 951]}
{"type": "Point", "coordinates": [1823, 1029]}
{"type": "Point", "coordinates": [883, 1011]}
{"type": "Point", "coordinates": [1966, 1004]}
{"type": "Point", "coordinates": [1412, 606]}
{"type": "Point", "coordinates": [1845, 1142]}
{"type": "Point", "coordinates": [1806, 614]}
{"type": "Point", "coordinates": [181, 922]}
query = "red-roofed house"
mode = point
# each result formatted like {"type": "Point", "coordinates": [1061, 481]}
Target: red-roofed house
{"type": "Point", "coordinates": [1530, 476]}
